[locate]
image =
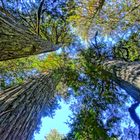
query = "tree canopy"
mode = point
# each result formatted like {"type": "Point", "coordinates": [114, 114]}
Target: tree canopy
{"type": "Point", "coordinates": [92, 50]}
{"type": "Point", "coordinates": [54, 135]}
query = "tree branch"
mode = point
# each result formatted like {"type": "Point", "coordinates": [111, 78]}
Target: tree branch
{"type": "Point", "coordinates": [39, 16]}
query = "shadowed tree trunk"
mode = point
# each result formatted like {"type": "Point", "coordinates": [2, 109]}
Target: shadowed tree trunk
{"type": "Point", "coordinates": [21, 107]}
{"type": "Point", "coordinates": [134, 116]}
{"type": "Point", "coordinates": [17, 41]}
{"type": "Point", "coordinates": [126, 75]}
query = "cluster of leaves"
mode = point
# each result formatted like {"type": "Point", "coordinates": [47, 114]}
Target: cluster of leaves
{"type": "Point", "coordinates": [117, 14]}
{"type": "Point", "coordinates": [128, 50]}
{"type": "Point", "coordinates": [55, 26]}
{"type": "Point", "coordinates": [16, 71]}
{"type": "Point", "coordinates": [85, 126]}
{"type": "Point", "coordinates": [85, 12]}
{"type": "Point", "coordinates": [99, 116]}
{"type": "Point", "coordinates": [105, 16]}
{"type": "Point", "coordinates": [93, 68]}
{"type": "Point", "coordinates": [54, 135]}
{"type": "Point", "coordinates": [94, 116]}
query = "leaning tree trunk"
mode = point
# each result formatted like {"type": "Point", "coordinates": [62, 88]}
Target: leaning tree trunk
{"type": "Point", "coordinates": [134, 116]}
{"type": "Point", "coordinates": [17, 41]}
{"type": "Point", "coordinates": [21, 107]}
{"type": "Point", "coordinates": [126, 75]}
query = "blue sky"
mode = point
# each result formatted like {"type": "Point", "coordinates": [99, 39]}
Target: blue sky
{"type": "Point", "coordinates": [58, 122]}
{"type": "Point", "coordinates": [138, 111]}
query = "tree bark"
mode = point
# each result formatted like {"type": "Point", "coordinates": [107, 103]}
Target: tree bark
{"type": "Point", "coordinates": [126, 75]}
{"type": "Point", "coordinates": [17, 41]}
{"type": "Point", "coordinates": [21, 107]}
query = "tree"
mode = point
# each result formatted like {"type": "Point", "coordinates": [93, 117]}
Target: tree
{"type": "Point", "coordinates": [35, 26]}
{"type": "Point", "coordinates": [23, 105]}
{"type": "Point", "coordinates": [16, 71]}
{"type": "Point", "coordinates": [17, 41]}
{"type": "Point", "coordinates": [125, 74]}
{"type": "Point", "coordinates": [54, 135]}
{"type": "Point", "coordinates": [85, 12]}
{"type": "Point", "coordinates": [99, 71]}
{"type": "Point", "coordinates": [85, 126]}
{"type": "Point", "coordinates": [88, 121]}
{"type": "Point", "coordinates": [22, 35]}
{"type": "Point", "coordinates": [99, 109]}
{"type": "Point", "coordinates": [107, 17]}
{"type": "Point", "coordinates": [128, 50]}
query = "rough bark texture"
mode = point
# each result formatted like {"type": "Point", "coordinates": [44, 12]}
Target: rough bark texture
{"type": "Point", "coordinates": [21, 107]}
{"type": "Point", "coordinates": [126, 75]}
{"type": "Point", "coordinates": [17, 41]}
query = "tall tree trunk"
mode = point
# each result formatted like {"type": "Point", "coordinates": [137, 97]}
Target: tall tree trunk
{"type": "Point", "coordinates": [126, 75]}
{"type": "Point", "coordinates": [17, 41]}
{"type": "Point", "coordinates": [21, 107]}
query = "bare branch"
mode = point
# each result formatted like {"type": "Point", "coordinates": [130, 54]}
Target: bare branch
{"type": "Point", "coordinates": [39, 16]}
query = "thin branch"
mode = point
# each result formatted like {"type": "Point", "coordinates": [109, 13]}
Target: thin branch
{"type": "Point", "coordinates": [34, 26]}
{"type": "Point", "coordinates": [39, 16]}
{"type": "Point", "coordinates": [3, 5]}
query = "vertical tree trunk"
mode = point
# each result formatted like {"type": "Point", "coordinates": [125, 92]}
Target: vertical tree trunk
{"type": "Point", "coordinates": [17, 41]}
{"type": "Point", "coordinates": [21, 107]}
{"type": "Point", "coordinates": [126, 75]}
